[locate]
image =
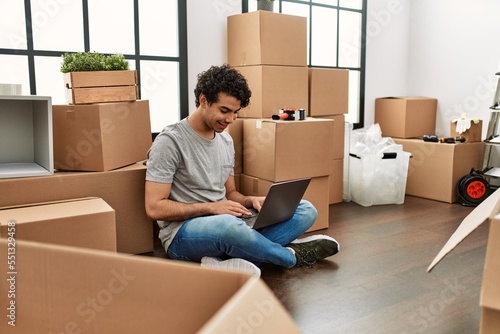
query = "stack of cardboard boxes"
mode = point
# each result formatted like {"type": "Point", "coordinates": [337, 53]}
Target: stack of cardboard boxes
{"type": "Point", "coordinates": [95, 196]}
{"type": "Point", "coordinates": [435, 168]}
{"type": "Point", "coordinates": [270, 50]}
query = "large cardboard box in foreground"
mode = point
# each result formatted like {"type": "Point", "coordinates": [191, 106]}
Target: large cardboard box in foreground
{"type": "Point", "coordinates": [316, 194]}
{"type": "Point", "coordinates": [60, 289]}
{"type": "Point", "coordinates": [436, 168]}
{"type": "Point", "coordinates": [287, 150]}
{"type": "Point", "coordinates": [101, 136]}
{"type": "Point", "coordinates": [81, 222]}
{"type": "Point", "coordinates": [122, 189]}
{"type": "Point", "coordinates": [406, 117]}
{"type": "Point", "coordinates": [488, 210]}
{"type": "Point", "coordinates": [266, 38]}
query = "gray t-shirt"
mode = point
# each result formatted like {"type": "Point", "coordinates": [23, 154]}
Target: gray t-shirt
{"type": "Point", "coordinates": [196, 167]}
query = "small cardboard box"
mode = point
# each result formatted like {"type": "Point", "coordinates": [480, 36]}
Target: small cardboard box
{"type": "Point", "coordinates": [84, 222]}
{"type": "Point", "coordinates": [101, 86]}
{"type": "Point", "coordinates": [122, 189]}
{"type": "Point", "coordinates": [436, 168]}
{"type": "Point", "coordinates": [274, 88]}
{"type": "Point", "coordinates": [61, 289]}
{"type": "Point", "coordinates": [488, 210]}
{"type": "Point", "coordinates": [328, 91]}
{"type": "Point", "coordinates": [266, 38]}
{"type": "Point", "coordinates": [315, 193]}
{"type": "Point", "coordinates": [473, 134]}
{"type": "Point", "coordinates": [101, 137]}
{"type": "Point", "coordinates": [26, 136]}
{"type": "Point", "coordinates": [287, 150]}
{"type": "Point", "coordinates": [406, 117]}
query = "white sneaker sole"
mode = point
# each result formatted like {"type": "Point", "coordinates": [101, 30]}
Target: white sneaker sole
{"type": "Point", "coordinates": [235, 264]}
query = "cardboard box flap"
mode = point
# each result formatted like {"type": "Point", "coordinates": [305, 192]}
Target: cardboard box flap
{"type": "Point", "coordinates": [25, 205]}
{"type": "Point", "coordinates": [29, 213]}
{"type": "Point", "coordinates": [263, 314]}
{"type": "Point", "coordinates": [490, 292]}
{"type": "Point", "coordinates": [487, 209]}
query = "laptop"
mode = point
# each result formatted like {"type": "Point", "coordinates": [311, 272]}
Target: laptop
{"type": "Point", "coordinates": [280, 204]}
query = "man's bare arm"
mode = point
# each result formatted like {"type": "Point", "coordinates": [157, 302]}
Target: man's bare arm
{"type": "Point", "coordinates": [247, 201]}
{"type": "Point", "coordinates": [160, 207]}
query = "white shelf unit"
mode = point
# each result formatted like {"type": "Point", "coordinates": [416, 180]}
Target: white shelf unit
{"type": "Point", "coordinates": [26, 147]}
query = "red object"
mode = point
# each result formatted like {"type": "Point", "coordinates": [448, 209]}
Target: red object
{"type": "Point", "coordinates": [280, 116]}
{"type": "Point", "coordinates": [476, 189]}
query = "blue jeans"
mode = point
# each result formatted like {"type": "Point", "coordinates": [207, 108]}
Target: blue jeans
{"type": "Point", "coordinates": [229, 236]}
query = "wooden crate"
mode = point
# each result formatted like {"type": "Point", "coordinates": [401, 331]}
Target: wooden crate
{"type": "Point", "coordinates": [101, 86]}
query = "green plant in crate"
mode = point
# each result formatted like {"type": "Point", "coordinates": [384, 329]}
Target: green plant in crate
{"type": "Point", "coordinates": [93, 61]}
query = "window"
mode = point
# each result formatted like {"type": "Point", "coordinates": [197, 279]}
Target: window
{"type": "Point", "coordinates": [335, 40]}
{"type": "Point", "coordinates": [150, 33]}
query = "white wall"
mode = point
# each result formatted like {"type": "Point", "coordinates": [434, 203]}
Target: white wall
{"type": "Point", "coordinates": [455, 53]}
{"type": "Point", "coordinates": [447, 49]}
{"type": "Point", "coordinates": [452, 54]}
{"type": "Point", "coordinates": [387, 51]}
{"type": "Point", "coordinates": [207, 37]}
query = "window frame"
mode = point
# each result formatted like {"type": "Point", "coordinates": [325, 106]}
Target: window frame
{"type": "Point", "coordinates": [137, 57]}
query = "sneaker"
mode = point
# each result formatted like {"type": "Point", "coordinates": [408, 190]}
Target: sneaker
{"type": "Point", "coordinates": [311, 249]}
{"type": "Point", "coordinates": [234, 264]}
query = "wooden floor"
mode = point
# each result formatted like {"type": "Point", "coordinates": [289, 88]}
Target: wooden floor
{"type": "Point", "coordinates": [378, 282]}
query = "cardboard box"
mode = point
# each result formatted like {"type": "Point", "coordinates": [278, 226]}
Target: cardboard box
{"type": "Point", "coordinates": [266, 38]}
{"type": "Point", "coordinates": [406, 117]}
{"type": "Point", "coordinates": [101, 86]}
{"type": "Point", "coordinates": [336, 181]}
{"type": "Point", "coordinates": [338, 135]}
{"type": "Point", "coordinates": [237, 181]}
{"type": "Point", "coordinates": [328, 91]}
{"type": "Point", "coordinates": [436, 168]}
{"type": "Point", "coordinates": [274, 88]}
{"type": "Point", "coordinates": [26, 136]}
{"type": "Point", "coordinates": [488, 210]}
{"type": "Point", "coordinates": [84, 222]}
{"type": "Point", "coordinates": [473, 134]}
{"type": "Point", "coordinates": [287, 150]}
{"type": "Point", "coordinates": [122, 189]}
{"type": "Point", "coordinates": [315, 193]}
{"type": "Point", "coordinates": [236, 132]}
{"type": "Point", "coordinates": [60, 289]}
{"type": "Point", "coordinates": [101, 137]}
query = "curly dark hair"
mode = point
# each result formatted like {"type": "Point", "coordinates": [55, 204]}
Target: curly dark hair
{"type": "Point", "coordinates": [222, 79]}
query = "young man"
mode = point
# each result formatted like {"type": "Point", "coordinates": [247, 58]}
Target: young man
{"type": "Point", "coordinates": [190, 190]}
